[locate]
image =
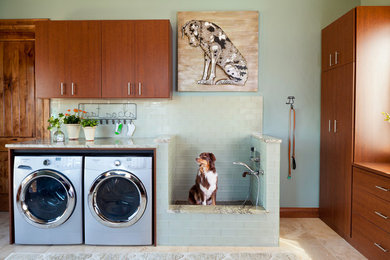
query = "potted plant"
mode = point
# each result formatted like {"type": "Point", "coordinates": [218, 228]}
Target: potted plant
{"type": "Point", "coordinates": [72, 124]}
{"type": "Point", "coordinates": [89, 127]}
{"type": "Point", "coordinates": [56, 122]}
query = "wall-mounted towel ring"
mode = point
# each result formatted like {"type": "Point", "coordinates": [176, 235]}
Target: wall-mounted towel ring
{"type": "Point", "coordinates": [291, 130]}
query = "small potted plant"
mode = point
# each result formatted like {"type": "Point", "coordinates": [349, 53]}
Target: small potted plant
{"type": "Point", "coordinates": [89, 127]}
{"type": "Point", "coordinates": [72, 124]}
{"type": "Point", "coordinates": [56, 122]}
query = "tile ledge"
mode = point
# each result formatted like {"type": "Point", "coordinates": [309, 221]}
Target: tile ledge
{"type": "Point", "coordinates": [266, 138]}
{"type": "Point", "coordinates": [218, 209]}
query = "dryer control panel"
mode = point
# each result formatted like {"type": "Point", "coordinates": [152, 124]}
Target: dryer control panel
{"type": "Point", "coordinates": [118, 162]}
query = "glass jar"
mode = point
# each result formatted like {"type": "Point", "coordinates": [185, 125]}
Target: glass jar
{"type": "Point", "coordinates": [58, 136]}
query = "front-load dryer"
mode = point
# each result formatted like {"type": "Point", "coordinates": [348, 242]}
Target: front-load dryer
{"type": "Point", "coordinates": [118, 200]}
{"type": "Point", "coordinates": [47, 200]}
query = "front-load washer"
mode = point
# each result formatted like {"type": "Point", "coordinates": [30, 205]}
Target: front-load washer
{"type": "Point", "coordinates": [47, 199]}
{"type": "Point", "coordinates": [118, 200]}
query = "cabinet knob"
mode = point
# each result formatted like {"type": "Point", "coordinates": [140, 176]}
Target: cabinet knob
{"type": "Point", "coordinates": [62, 88]}
{"type": "Point", "coordinates": [330, 60]}
{"type": "Point", "coordinates": [128, 88]}
{"type": "Point", "coordinates": [72, 89]}
{"type": "Point", "coordinates": [139, 88]}
{"type": "Point", "coordinates": [336, 54]}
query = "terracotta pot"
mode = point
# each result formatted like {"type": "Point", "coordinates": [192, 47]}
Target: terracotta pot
{"type": "Point", "coordinates": [73, 131]}
{"type": "Point", "coordinates": [89, 132]}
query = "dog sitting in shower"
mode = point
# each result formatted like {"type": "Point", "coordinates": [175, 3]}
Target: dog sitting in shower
{"type": "Point", "coordinates": [204, 192]}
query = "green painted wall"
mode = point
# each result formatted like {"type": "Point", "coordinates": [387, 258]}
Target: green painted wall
{"type": "Point", "coordinates": [289, 63]}
{"type": "Point", "coordinates": [375, 2]}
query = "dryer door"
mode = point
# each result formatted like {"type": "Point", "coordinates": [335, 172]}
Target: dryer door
{"type": "Point", "coordinates": [117, 198]}
{"type": "Point", "coordinates": [46, 198]}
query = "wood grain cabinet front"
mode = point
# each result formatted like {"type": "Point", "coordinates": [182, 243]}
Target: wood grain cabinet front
{"type": "Point", "coordinates": [68, 59]}
{"type": "Point", "coordinates": [109, 59]}
{"type": "Point", "coordinates": [136, 59]}
{"type": "Point", "coordinates": [338, 42]}
{"type": "Point", "coordinates": [371, 214]}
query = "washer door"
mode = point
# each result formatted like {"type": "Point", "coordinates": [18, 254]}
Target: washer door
{"type": "Point", "coordinates": [46, 198]}
{"type": "Point", "coordinates": [117, 198]}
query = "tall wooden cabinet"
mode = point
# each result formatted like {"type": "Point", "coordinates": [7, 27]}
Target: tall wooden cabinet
{"type": "Point", "coordinates": [355, 90]}
{"type": "Point", "coordinates": [337, 105]}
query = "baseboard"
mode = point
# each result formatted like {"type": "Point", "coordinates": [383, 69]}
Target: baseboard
{"type": "Point", "coordinates": [299, 213]}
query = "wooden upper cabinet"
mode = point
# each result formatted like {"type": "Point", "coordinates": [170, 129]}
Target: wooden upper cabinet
{"type": "Point", "coordinates": [110, 59]}
{"type": "Point", "coordinates": [68, 59]}
{"type": "Point", "coordinates": [136, 59]}
{"type": "Point", "coordinates": [84, 59]}
{"type": "Point", "coordinates": [118, 60]}
{"type": "Point", "coordinates": [153, 58]}
{"type": "Point", "coordinates": [338, 42]}
{"type": "Point", "coordinates": [50, 60]}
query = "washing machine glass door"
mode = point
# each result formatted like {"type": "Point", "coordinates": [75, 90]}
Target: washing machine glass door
{"type": "Point", "coordinates": [46, 198]}
{"type": "Point", "coordinates": [117, 198]}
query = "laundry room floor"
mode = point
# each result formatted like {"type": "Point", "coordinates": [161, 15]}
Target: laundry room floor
{"type": "Point", "coordinates": [302, 238]}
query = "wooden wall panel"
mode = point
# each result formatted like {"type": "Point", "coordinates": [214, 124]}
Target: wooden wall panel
{"type": "Point", "coordinates": [17, 89]}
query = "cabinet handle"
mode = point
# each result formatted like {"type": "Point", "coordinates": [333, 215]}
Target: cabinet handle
{"type": "Point", "coordinates": [330, 126]}
{"type": "Point", "coordinates": [380, 247]}
{"type": "Point", "coordinates": [139, 88]}
{"type": "Point", "coordinates": [330, 60]}
{"type": "Point", "coordinates": [335, 126]}
{"type": "Point", "coordinates": [62, 88]}
{"type": "Point", "coordinates": [128, 88]}
{"type": "Point", "coordinates": [336, 54]}
{"type": "Point", "coordinates": [72, 89]}
{"type": "Point", "coordinates": [381, 188]}
{"type": "Point", "coordinates": [381, 215]}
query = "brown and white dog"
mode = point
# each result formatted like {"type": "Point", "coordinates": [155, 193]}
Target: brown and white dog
{"type": "Point", "coordinates": [204, 192]}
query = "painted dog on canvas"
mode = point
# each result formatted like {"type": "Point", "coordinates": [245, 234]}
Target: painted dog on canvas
{"type": "Point", "coordinates": [218, 50]}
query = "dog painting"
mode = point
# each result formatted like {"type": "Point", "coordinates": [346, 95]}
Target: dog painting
{"type": "Point", "coordinates": [204, 192]}
{"type": "Point", "coordinates": [217, 51]}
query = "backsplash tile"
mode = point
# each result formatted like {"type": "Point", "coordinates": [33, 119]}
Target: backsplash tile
{"type": "Point", "coordinates": [218, 124]}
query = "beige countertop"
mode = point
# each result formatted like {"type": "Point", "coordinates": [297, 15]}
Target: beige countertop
{"type": "Point", "coordinates": [98, 143]}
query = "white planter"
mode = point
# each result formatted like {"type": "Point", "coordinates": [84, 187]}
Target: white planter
{"type": "Point", "coordinates": [73, 131]}
{"type": "Point", "coordinates": [89, 132]}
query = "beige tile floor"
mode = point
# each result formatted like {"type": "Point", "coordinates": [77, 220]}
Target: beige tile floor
{"type": "Point", "coordinates": [306, 238]}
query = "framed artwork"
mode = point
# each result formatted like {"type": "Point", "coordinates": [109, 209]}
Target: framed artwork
{"type": "Point", "coordinates": [217, 51]}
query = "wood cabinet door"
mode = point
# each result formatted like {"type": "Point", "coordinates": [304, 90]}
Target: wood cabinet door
{"type": "Point", "coordinates": [118, 61]}
{"type": "Point", "coordinates": [84, 59]}
{"type": "Point", "coordinates": [326, 150]}
{"type": "Point", "coordinates": [51, 52]}
{"type": "Point", "coordinates": [344, 49]}
{"type": "Point", "coordinates": [343, 135]}
{"type": "Point", "coordinates": [153, 58]}
{"type": "Point", "coordinates": [338, 42]}
{"type": "Point", "coordinates": [327, 45]}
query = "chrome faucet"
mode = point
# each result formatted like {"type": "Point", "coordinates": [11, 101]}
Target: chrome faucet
{"type": "Point", "coordinates": [252, 172]}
